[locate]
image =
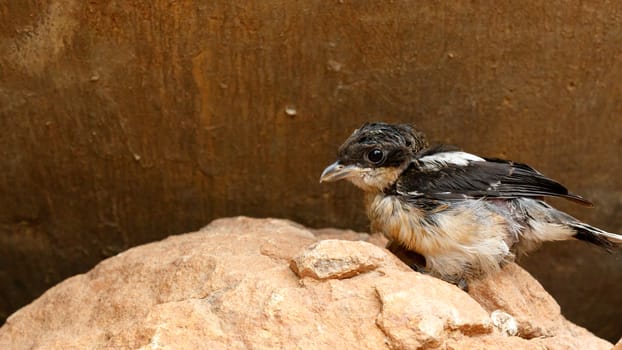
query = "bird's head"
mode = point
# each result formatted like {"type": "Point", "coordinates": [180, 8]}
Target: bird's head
{"type": "Point", "coordinates": [375, 155]}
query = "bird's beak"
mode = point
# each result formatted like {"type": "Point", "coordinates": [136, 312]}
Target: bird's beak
{"type": "Point", "coordinates": [336, 172]}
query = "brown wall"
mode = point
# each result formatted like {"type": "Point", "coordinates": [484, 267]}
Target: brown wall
{"type": "Point", "coordinates": [123, 122]}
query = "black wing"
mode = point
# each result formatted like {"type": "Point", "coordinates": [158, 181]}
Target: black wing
{"type": "Point", "coordinates": [452, 175]}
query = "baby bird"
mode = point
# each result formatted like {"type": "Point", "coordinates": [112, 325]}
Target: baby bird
{"type": "Point", "coordinates": [466, 215]}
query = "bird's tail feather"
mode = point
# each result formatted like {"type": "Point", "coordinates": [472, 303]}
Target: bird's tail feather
{"type": "Point", "coordinates": [596, 236]}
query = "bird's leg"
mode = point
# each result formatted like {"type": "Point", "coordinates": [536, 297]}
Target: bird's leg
{"type": "Point", "coordinates": [417, 263]}
{"type": "Point", "coordinates": [414, 260]}
{"type": "Point", "coordinates": [416, 267]}
{"type": "Point", "coordinates": [462, 284]}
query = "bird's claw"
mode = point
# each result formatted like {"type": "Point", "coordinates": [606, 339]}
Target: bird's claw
{"type": "Point", "coordinates": [463, 284]}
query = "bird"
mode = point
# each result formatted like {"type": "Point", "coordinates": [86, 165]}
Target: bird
{"type": "Point", "coordinates": [466, 215]}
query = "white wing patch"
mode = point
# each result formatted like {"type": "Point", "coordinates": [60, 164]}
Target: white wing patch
{"type": "Point", "coordinates": [414, 193]}
{"type": "Point", "coordinates": [439, 160]}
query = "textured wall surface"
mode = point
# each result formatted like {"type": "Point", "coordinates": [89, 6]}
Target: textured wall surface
{"type": "Point", "coordinates": [125, 122]}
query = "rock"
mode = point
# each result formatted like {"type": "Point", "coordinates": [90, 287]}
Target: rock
{"type": "Point", "coordinates": [536, 313]}
{"type": "Point", "coordinates": [417, 311]}
{"type": "Point", "coordinates": [264, 283]}
{"type": "Point", "coordinates": [339, 259]}
{"type": "Point", "coordinates": [518, 294]}
{"type": "Point", "coordinates": [505, 323]}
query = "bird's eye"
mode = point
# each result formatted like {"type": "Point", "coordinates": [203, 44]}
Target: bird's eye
{"type": "Point", "coordinates": [375, 156]}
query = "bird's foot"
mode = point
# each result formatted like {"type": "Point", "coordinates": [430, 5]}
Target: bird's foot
{"type": "Point", "coordinates": [414, 260]}
{"type": "Point", "coordinates": [462, 284]}
{"type": "Point", "coordinates": [417, 268]}
{"type": "Point", "coordinates": [417, 263]}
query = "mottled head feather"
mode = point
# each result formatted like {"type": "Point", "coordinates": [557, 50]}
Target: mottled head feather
{"type": "Point", "coordinates": [399, 142]}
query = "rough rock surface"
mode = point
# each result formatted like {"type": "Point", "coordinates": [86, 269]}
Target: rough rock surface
{"type": "Point", "coordinates": [263, 283]}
